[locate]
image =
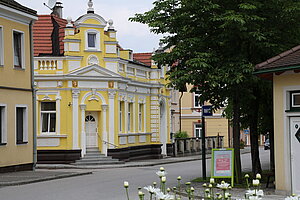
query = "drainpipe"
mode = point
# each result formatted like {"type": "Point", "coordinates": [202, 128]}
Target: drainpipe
{"type": "Point", "coordinates": [33, 96]}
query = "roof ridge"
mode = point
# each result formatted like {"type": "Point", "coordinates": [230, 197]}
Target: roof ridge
{"type": "Point", "coordinates": [277, 57]}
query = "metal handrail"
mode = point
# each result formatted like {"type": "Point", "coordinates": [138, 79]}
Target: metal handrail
{"type": "Point", "coordinates": [105, 142]}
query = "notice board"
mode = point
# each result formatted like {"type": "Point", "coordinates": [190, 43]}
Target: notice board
{"type": "Point", "coordinates": [223, 164]}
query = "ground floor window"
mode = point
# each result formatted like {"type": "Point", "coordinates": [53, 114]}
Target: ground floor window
{"type": "Point", "coordinates": [198, 130]}
{"type": "Point", "coordinates": [48, 117]}
{"type": "Point", "coordinates": [2, 125]}
{"type": "Point", "coordinates": [21, 125]}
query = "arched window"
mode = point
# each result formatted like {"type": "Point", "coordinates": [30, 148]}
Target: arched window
{"type": "Point", "coordinates": [89, 118]}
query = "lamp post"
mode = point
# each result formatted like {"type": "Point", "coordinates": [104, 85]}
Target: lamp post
{"type": "Point", "coordinates": [203, 145]}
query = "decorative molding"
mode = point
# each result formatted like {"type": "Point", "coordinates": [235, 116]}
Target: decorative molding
{"type": "Point", "coordinates": [130, 98]}
{"type": "Point", "coordinates": [75, 93]}
{"type": "Point", "coordinates": [111, 94]}
{"type": "Point", "coordinates": [59, 83]}
{"type": "Point", "coordinates": [82, 106]}
{"type": "Point", "coordinates": [93, 60]}
{"type": "Point", "coordinates": [96, 94]}
{"type": "Point", "coordinates": [46, 98]}
{"type": "Point", "coordinates": [93, 97]}
{"type": "Point", "coordinates": [104, 107]}
{"type": "Point", "coordinates": [142, 100]}
{"type": "Point", "coordinates": [122, 97]}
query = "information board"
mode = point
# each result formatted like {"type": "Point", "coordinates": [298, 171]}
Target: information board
{"type": "Point", "coordinates": [223, 164]}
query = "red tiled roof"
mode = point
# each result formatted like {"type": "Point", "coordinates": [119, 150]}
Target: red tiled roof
{"type": "Point", "coordinates": [143, 58]}
{"type": "Point", "coordinates": [43, 31]}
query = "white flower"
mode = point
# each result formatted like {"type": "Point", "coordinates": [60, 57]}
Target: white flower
{"type": "Point", "coordinates": [258, 176]}
{"type": "Point", "coordinates": [223, 186]}
{"type": "Point", "coordinates": [292, 198]}
{"type": "Point", "coordinates": [161, 173]}
{"type": "Point", "coordinates": [141, 193]}
{"type": "Point", "coordinates": [250, 192]}
{"type": "Point", "coordinates": [246, 175]}
{"type": "Point", "coordinates": [126, 184]}
{"type": "Point", "coordinates": [163, 179]}
{"type": "Point", "coordinates": [254, 198]}
{"type": "Point", "coordinates": [255, 182]}
{"type": "Point", "coordinates": [212, 180]}
{"type": "Point", "coordinates": [226, 195]}
{"type": "Point", "coordinates": [162, 169]}
{"type": "Point", "coordinates": [151, 189]}
{"type": "Point", "coordinates": [179, 178]}
{"type": "Point", "coordinates": [162, 196]}
{"type": "Point", "coordinates": [260, 193]}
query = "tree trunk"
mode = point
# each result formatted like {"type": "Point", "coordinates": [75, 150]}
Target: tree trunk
{"type": "Point", "coordinates": [236, 137]}
{"type": "Point", "coordinates": [256, 165]}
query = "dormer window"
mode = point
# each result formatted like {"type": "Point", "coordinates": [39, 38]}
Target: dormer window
{"type": "Point", "coordinates": [92, 40]}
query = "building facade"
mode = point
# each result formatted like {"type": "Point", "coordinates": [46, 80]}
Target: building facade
{"type": "Point", "coordinates": [283, 70]}
{"type": "Point", "coordinates": [191, 122]}
{"type": "Point", "coordinates": [16, 81]}
{"type": "Point", "coordinates": [91, 93]}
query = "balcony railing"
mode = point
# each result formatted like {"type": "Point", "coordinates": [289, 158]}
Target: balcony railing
{"type": "Point", "coordinates": [47, 63]}
{"type": "Point", "coordinates": [190, 146]}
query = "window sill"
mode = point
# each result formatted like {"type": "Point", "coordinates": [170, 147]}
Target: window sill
{"type": "Point", "coordinates": [293, 110]}
{"type": "Point", "coordinates": [20, 143]}
{"type": "Point", "coordinates": [3, 144]}
{"type": "Point", "coordinates": [92, 50]}
{"type": "Point", "coordinates": [51, 136]}
{"type": "Point", "coordinates": [19, 69]}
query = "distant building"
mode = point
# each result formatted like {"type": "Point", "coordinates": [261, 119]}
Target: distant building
{"type": "Point", "coordinates": [92, 93]}
{"type": "Point", "coordinates": [16, 87]}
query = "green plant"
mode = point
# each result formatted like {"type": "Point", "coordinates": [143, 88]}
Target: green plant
{"type": "Point", "coordinates": [181, 134]}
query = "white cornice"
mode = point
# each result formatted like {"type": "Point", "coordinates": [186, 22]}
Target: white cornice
{"type": "Point", "coordinates": [16, 15]}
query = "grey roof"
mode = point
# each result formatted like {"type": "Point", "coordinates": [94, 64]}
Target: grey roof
{"type": "Point", "coordinates": [17, 6]}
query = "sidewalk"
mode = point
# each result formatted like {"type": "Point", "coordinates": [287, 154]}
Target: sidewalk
{"type": "Point", "coordinates": [147, 163]}
{"type": "Point", "coordinates": [45, 172]}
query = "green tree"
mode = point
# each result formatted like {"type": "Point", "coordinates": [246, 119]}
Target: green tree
{"type": "Point", "coordinates": [215, 45]}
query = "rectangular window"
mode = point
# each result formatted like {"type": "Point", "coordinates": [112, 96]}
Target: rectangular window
{"type": "Point", "coordinates": [1, 47]}
{"type": "Point", "coordinates": [48, 117]}
{"type": "Point", "coordinates": [198, 130]}
{"type": "Point", "coordinates": [141, 117]}
{"type": "Point", "coordinates": [21, 125]}
{"type": "Point", "coordinates": [129, 116]}
{"type": "Point", "coordinates": [121, 116]}
{"type": "Point", "coordinates": [18, 46]}
{"type": "Point", "coordinates": [3, 136]}
{"type": "Point", "coordinates": [91, 40]}
{"type": "Point", "coordinates": [196, 101]}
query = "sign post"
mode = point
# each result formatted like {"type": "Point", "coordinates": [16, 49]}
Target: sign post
{"type": "Point", "coordinates": [223, 164]}
{"type": "Point", "coordinates": [206, 111]}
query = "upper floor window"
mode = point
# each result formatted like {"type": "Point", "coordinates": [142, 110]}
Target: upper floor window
{"type": "Point", "coordinates": [48, 114]}
{"type": "Point", "coordinates": [141, 121]}
{"type": "Point", "coordinates": [92, 40]}
{"type": "Point", "coordinates": [1, 47]}
{"type": "Point", "coordinates": [18, 47]}
{"type": "Point", "coordinates": [196, 101]}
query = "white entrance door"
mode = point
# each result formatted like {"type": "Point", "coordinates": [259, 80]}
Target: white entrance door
{"type": "Point", "coordinates": [295, 153]}
{"type": "Point", "coordinates": [91, 130]}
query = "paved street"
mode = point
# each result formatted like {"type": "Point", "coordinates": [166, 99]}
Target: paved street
{"type": "Point", "coordinates": [107, 184]}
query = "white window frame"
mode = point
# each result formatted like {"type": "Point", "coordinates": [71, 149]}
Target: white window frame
{"type": "Point", "coordinates": [22, 49]}
{"type": "Point", "coordinates": [97, 40]}
{"type": "Point", "coordinates": [50, 112]}
{"type": "Point", "coordinates": [25, 123]}
{"type": "Point", "coordinates": [197, 128]}
{"type": "Point", "coordinates": [3, 113]}
{"type": "Point", "coordinates": [293, 103]}
{"type": "Point", "coordinates": [140, 117]}
{"type": "Point", "coordinates": [129, 116]}
{"type": "Point", "coordinates": [196, 95]}
{"type": "Point", "coordinates": [1, 46]}
{"type": "Point", "coordinates": [120, 117]}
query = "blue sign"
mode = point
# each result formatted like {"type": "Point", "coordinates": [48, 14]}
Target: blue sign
{"type": "Point", "coordinates": [207, 110]}
{"type": "Point", "coordinates": [246, 131]}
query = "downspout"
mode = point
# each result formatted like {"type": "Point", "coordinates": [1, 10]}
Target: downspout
{"type": "Point", "coordinates": [33, 96]}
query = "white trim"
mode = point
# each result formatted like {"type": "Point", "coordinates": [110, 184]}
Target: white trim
{"type": "Point", "coordinates": [75, 125]}
{"type": "Point", "coordinates": [95, 94]}
{"type": "Point", "coordinates": [23, 55]}
{"type": "Point", "coordinates": [25, 122]}
{"type": "Point", "coordinates": [1, 46]}
{"type": "Point", "coordinates": [111, 119]}
{"type": "Point", "coordinates": [3, 113]}
{"type": "Point", "coordinates": [16, 15]}
{"type": "Point", "coordinates": [294, 106]}
{"type": "Point", "coordinates": [104, 130]}
{"type": "Point", "coordinates": [97, 40]}
{"type": "Point", "coordinates": [83, 133]}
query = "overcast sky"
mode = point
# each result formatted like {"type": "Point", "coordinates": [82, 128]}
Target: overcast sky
{"type": "Point", "coordinates": [130, 35]}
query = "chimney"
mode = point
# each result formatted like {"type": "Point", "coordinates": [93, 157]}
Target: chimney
{"type": "Point", "coordinates": [57, 10]}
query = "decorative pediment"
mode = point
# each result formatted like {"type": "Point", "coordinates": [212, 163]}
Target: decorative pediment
{"type": "Point", "coordinates": [85, 21]}
{"type": "Point", "coordinates": [94, 71]}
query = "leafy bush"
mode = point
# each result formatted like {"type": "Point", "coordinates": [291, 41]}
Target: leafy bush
{"type": "Point", "coordinates": [181, 134]}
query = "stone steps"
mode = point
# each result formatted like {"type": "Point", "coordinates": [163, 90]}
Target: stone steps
{"type": "Point", "coordinates": [94, 157]}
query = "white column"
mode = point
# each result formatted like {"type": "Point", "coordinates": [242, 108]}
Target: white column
{"type": "Point", "coordinates": [58, 99]}
{"type": "Point", "coordinates": [104, 130]}
{"type": "Point", "coordinates": [134, 116]}
{"type": "Point", "coordinates": [112, 118]}
{"type": "Point", "coordinates": [126, 116]}
{"type": "Point", "coordinates": [75, 95]}
{"type": "Point", "coordinates": [145, 118]}
{"type": "Point", "coordinates": [83, 135]}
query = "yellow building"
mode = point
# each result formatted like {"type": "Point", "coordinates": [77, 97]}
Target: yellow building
{"type": "Point", "coordinates": [191, 118]}
{"type": "Point", "coordinates": [93, 94]}
{"type": "Point", "coordinates": [284, 71]}
{"type": "Point", "coordinates": [16, 93]}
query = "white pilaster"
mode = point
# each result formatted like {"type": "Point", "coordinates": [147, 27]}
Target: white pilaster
{"type": "Point", "coordinates": [75, 95]}
{"type": "Point", "coordinates": [104, 132]}
{"type": "Point", "coordinates": [111, 119]}
{"type": "Point", "coordinates": [58, 99]}
{"type": "Point", "coordinates": [126, 116]}
{"type": "Point", "coordinates": [83, 135]}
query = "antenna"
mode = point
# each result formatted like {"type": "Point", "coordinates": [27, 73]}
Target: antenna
{"type": "Point", "coordinates": [51, 3]}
